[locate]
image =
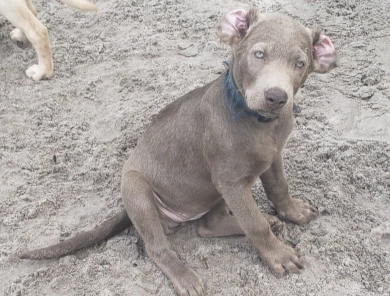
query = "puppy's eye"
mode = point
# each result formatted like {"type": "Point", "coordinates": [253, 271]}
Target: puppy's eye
{"type": "Point", "coordinates": [259, 55]}
{"type": "Point", "coordinates": [300, 64]}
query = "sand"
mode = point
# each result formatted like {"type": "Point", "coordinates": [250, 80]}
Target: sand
{"type": "Point", "coordinates": [63, 143]}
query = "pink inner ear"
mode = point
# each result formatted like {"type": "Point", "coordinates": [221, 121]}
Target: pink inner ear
{"type": "Point", "coordinates": [234, 22]}
{"type": "Point", "coordinates": [324, 47]}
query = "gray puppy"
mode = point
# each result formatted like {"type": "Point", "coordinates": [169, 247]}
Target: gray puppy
{"type": "Point", "coordinates": [202, 153]}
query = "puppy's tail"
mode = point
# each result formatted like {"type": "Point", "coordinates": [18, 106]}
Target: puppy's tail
{"type": "Point", "coordinates": [109, 228]}
{"type": "Point", "coordinates": [82, 5]}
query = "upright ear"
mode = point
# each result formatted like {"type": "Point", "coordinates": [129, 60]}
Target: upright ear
{"type": "Point", "coordinates": [235, 25]}
{"type": "Point", "coordinates": [324, 54]}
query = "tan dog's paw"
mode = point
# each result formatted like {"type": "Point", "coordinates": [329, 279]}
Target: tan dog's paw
{"type": "Point", "coordinates": [18, 36]}
{"type": "Point", "coordinates": [298, 212]}
{"type": "Point", "coordinates": [188, 283]}
{"type": "Point", "coordinates": [36, 73]}
{"type": "Point", "coordinates": [281, 258]}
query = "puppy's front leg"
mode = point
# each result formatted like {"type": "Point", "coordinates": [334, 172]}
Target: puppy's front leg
{"type": "Point", "coordinates": [278, 256]}
{"type": "Point", "coordinates": [276, 187]}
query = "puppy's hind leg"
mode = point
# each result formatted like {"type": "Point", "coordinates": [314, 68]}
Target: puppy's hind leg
{"type": "Point", "coordinates": [23, 17]}
{"type": "Point", "coordinates": [220, 222]}
{"type": "Point", "coordinates": [138, 198]}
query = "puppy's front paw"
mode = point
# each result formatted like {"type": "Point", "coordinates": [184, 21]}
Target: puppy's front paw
{"type": "Point", "coordinates": [280, 258]}
{"type": "Point", "coordinates": [298, 212]}
{"type": "Point", "coordinates": [18, 36]}
{"type": "Point", "coordinates": [36, 73]}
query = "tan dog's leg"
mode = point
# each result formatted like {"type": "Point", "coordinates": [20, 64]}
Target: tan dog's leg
{"type": "Point", "coordinates": [219, 222]}
{"type": "Point", "coordinates": [22, 17]}
{"type": "Point", "coordinates": [31, 6]}
{"type": "Point", "coordinates": [276, 187]}
{"type": "Point", "coordinates": [138, 198]}
{"type": "Point", "coordinates": [17, 34]}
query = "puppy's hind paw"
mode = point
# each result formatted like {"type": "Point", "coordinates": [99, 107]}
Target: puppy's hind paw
{"type": "Point", "coordinates": [18, 36]}
{"type": "Point", "coordinates": [36, 73]}
{"type": "Point", "coordinates": [274, 222]}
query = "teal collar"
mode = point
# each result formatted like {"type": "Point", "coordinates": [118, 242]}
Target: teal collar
{"type": "Point", "coordinates": [236, 102]}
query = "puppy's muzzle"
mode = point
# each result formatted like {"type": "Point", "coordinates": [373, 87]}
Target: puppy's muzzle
{"type": "Point", "coordinates": [275, 98]}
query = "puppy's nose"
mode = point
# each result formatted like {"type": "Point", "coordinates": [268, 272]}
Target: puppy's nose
{"type": "Point", "coordinates": [275, 97]}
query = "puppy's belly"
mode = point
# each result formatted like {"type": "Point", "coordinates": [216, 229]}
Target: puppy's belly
{"type": "Point", "coordinates": [175, 216]}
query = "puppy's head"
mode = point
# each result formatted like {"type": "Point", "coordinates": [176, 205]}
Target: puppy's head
{"type": "Point", "coordinates": [272, 57]}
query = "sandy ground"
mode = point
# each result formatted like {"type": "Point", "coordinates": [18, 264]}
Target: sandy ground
{"type": "Point", "coordinates": [63, 143]}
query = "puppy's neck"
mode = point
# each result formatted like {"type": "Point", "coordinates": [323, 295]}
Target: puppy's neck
{"type": "Point", "coordinates": [235, 100]}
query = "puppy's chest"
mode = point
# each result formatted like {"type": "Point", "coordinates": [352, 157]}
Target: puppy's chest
{"type": "Point", "coordinates": [259, 152]}
{"type": "Point", "coordinates": [259, 156]}
{"type": "Point", "coordinates": [247, 155]}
